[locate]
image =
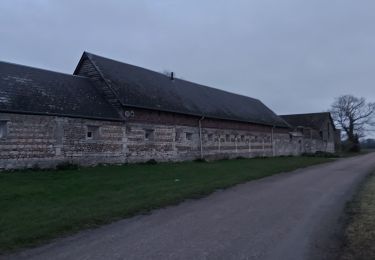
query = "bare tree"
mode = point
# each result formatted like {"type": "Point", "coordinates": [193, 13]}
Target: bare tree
{"type": "Point", "coordinates": [353, 115]}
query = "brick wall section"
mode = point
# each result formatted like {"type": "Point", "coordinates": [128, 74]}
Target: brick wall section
{"type": "Point", "coordinates": [177, 137]}
{"type": "Point", "coordinates": [160, 117]}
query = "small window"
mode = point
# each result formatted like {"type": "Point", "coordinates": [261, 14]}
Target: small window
{"type": "Point", "coordinates": [210, 137]}
{"type": "Point", "coordinates": [92, 132]}
{"type": "Point", "coordinates": [227, 138]}
{"type": "Point", "coordinates": [189, 136]}
{"type": "Point", "coordinates": [242, 138]}
{"type": "Point", "coordinates": [290, 137]}
{"type": "Point", "coordinates": [3, 129]}
{"type": "Point", "coordinates": [149, 134]}
{"type": "Point", "coordinates": [177, 136]}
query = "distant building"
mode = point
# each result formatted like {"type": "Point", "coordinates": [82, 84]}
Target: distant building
{"type": "Point", "coordinates": [318, 131]}
{"type": "Point", "coordinates": [112, 112]}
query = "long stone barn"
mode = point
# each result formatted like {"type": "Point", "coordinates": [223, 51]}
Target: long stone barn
{"type": "Point", "coordinates": [112, 112]}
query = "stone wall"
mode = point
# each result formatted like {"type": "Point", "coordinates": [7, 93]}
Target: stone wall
{"type": "Point", "coordinates": [177, 137]}
{"type": "Point", "coordinates": [45, 141]}
{"type": "Point", "coordinates": [177, 143]}
{"type": "Point", "coordinates": [324, 139]}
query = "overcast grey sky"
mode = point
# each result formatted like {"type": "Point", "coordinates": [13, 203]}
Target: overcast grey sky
{"type": "Point", "coordinates": [294, 55]}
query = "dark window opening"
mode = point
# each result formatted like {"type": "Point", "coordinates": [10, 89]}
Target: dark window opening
{"type": "Point", "coordinates": [149, 134]}
{"type": "Point", "coordinates": [189, 136]}
{"type": "Point", "coordinates": [3, 129]}
{"type": "Point", "coordinates": [177, 136]}
{"type": "Point", "coordinates": [92, 132]}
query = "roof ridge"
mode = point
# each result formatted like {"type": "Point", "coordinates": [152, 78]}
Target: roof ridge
{"type": "Point", "coordinates": [304, 114]}
{"type": "Point", "coordinates": [42, 69]}
{"type": "Point", "coordinates": [141, 87]}
{"type": "Point", "coordinates": [51, 93]}
{"type": "Point", "coordinates": [176, 78]}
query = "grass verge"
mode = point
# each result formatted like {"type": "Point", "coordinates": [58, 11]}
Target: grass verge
{"type": "Point", "coordinates": [41, 205]}
{"type": "Point", "coordinates": [359, 238]}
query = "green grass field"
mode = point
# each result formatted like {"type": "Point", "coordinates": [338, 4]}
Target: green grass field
{"type": "Point", "coordinates": [40, 205]}
{"type": "Point", "coordinates": [360, 232]}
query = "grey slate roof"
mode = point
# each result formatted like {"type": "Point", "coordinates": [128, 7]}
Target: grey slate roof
{"type": "Point", "coordinates": [30, 90]}
{"type": "Point", "coordinates": [312, 120]}
{"type": "Point", "coordinates": [143, 88]}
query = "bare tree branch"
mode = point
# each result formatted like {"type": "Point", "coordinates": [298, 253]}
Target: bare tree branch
{"type": "Point", "coordinates": [354, 115]}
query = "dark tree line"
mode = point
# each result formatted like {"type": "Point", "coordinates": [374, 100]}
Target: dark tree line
{"type": "Point", "coordinates": [368, 143]}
